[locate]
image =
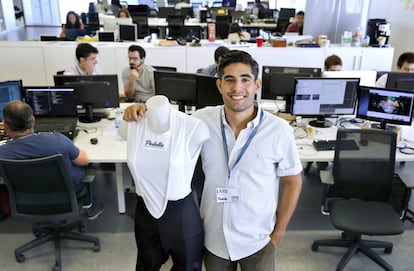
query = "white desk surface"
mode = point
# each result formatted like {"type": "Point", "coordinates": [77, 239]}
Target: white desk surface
{"type": "Point", "coordinates": [109, 149]}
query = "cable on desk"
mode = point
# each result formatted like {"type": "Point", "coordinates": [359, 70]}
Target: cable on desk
{"type": "Point", "coordinates": [349, 122]}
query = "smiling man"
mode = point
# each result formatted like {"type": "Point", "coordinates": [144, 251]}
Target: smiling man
{"type": "Point", "coordinates": [86, 56]}
{"type": "Point", "coordinates": [247, 155]}
{"type": "Point", "coordinates": [138, 78]}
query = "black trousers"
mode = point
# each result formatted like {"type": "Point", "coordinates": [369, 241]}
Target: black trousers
{"type": "Point", "coordinates": [177, 233]}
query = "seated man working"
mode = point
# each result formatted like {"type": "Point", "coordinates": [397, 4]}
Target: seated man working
{"type": "Point", "coordinates": [18, 123]}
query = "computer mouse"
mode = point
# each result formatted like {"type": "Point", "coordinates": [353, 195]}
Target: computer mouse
{"type": "Point", "coordinates": [94, 140]}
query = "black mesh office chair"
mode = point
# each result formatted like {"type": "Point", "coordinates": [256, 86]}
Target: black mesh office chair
{"type": "Point", "coordinates": [222, 26]}
{"type": "Point", "coordinates": [142, 25]}
{"type": "Point", "coordinates": [357, 194]}
{"type": "Point", "coordinates": [175, 26]}
{"type": "Point", "coordinates": [41, 193]}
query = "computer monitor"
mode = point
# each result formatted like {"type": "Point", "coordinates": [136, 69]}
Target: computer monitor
{"type": "Point", "coordinates": [164, 12]}
{"type": "Point", "coordinates": [112, 24]}
{"type": "Point", "coordinates": [385, 105]}
{"type": "Point", "coordinates": [229, 3]}
{"type": "Point", "coordinates": [51, 101]}
{"type": "Point", "coordinates": [106, 36]}
{"type": "Point", "coordinates": [367, 78]}
{"type": "Point", "coordinates": [10, 90]}
{"type": "Point", "coordinates": [92, 92]}
{"type": "Point", "coordinates": [400, 80]}
{"type": "Point", "coordinates": [279, 82]}
{"type": "Point", "coordinates": [324, 97]}
{"type": "Point", "coordinates": [178, 87]}
{"type": "Point", "coordinates": [207, 92]}
{"type": "Point", "coordinates": [128, 32]}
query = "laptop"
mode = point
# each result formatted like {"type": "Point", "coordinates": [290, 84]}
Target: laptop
{"type": "Point", "coordinates": [54, 109]}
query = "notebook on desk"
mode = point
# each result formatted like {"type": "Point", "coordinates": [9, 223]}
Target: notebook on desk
{"type": "Point", "coordinates": [54, 109]}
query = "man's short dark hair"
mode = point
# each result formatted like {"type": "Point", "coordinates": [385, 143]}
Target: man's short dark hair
{"type": "Point", "coordinates": [18, 115]}
{"type": "Point", "coordinates": [137, 48]}
{"type": "Point", "coordinates": [300, 13]}
{"type": "Point", "coordinates": [220, 51]}
{"type": "Point", "coordinates": [84, 50]}
{"type": "Point", "coordinates": [332, 60]}
{"type": "Point", "coordinates": [405, 57]}
{"type": "Point", "coordinates": [237, 56]}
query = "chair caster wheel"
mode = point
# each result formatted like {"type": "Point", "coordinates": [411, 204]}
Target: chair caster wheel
{"type": "Point", "coordinates": [314, 247]}
{"type": "Point", "coordinates": [97, 248]}
{"type": "Point", "coordinates": [388, 250]}
{"type": "Point", "coordinates": [20, 258]}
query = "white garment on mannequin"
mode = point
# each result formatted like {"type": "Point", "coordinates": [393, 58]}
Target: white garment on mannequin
{"type": "Point", "coordinates": [162, 152]}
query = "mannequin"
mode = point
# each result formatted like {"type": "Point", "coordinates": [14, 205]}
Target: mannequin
{"type": "Point", "coordinates": [163, 149]}
{"type": "Point", "coordinates": [158, 113]}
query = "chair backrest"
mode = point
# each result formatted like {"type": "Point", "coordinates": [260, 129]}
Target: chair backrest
{"type": "Point", "coordinates": [367, 172]}
{"type": "Point", "coordinates": [142, 25]}
{"type": "Point", "coordinates": [40, 189]}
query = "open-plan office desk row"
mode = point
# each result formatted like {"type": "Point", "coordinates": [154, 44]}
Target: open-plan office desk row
{"type": "Point", "coordinates": [112, 150]}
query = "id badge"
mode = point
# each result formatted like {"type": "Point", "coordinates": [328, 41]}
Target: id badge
{"type": "Point", "coordinates": [227, 195]}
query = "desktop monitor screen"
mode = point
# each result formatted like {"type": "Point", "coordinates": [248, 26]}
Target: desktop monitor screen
{"type": "Point", "coordinates": [9, 91]}
{"type": "Point", "coordinates": [367, 78]}
{"type": "Point", "coordinates": [92, 92]}
{"type": "Point", "coordinates": [320, 97]}
{"type": "Point", "coordinates": [207, 92]}
{"type": "Point", "coordinates": [178, 87]}
{"type": "Point", "coordinates": [400, 80]}
{"type": "Point", "coordinates": [128, 32]}
{"type": "Point", "coordinates": [229, 3]}
{"type": "Point", "coordinates": [279, 82]}
{"type": "Point", "coordinates": [385, 105]}
{"type": "Point", "coordinates": [51, 101]}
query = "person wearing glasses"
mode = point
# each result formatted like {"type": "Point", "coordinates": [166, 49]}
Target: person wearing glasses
{"type": "Point", "coordinates": [138, 78]}
{"type": "Point", "coordinates": [86, 55]}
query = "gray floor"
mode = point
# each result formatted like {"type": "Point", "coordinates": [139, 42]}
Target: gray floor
{"type": "Point", "coordinates": [118, 251]}
{"type": "Point", "coordinates": [29, 33]}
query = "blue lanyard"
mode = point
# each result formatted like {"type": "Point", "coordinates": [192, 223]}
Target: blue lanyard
{"type": "Point", "coordinates": [243, 150]}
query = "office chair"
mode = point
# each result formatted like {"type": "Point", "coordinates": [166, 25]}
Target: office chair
{"type": "Point", "coordinates": [222, 26]}
{"type": "Point", "coordinates": [42, 193]}
{"type": "Point", "coordinates": [175, 26]}
{"type": "Point", "coordinates": [142, 25]}
{"type": "Point", "coordinates": [357, 194]}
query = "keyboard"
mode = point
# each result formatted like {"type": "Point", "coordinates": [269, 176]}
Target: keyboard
{"type": "Point", "coordinates": [324, 145]}
{"type": "Point", "coordinates": [65, 128]}
{"type": "Point", "coordinates": [329, 145]}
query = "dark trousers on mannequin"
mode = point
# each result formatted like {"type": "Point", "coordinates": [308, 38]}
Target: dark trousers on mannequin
{"type": "Point", "coordinates": [177, 233]}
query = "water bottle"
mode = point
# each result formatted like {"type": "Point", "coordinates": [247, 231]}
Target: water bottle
{"type": "Point", "coordinates": [118, 119]}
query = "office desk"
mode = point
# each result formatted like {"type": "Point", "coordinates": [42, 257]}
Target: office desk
{"type": "Point", "coordinates": [111, 150]}
{"type": "Point", "coordinates": [108, 150]}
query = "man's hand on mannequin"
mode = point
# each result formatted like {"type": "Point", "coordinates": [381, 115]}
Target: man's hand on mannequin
{"type": "Point", "coordinates": [134, 112]}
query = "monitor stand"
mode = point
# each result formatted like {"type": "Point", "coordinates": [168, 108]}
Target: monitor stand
{"type": "Point", "coordinates": [88, 117]}
{"type": "Point", "coordinates": [320, 122]}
